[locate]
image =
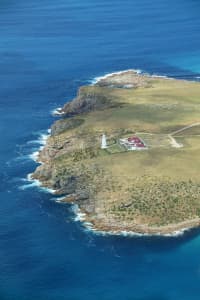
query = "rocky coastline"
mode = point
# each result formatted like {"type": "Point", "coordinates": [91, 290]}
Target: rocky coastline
{"type": "Point", "coordinates": [71, 160]}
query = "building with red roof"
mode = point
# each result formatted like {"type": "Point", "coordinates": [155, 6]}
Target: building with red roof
{"type": "Point", "coordinates": [133, 143]}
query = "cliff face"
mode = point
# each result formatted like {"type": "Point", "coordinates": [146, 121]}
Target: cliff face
{"type": "Point", "coordinates": [64, 158]}
{"type": "Point", "coordinates": [100, 96]}
{"type": "Point", "coordinates": [86, 101]}
{"type": "Point", "coordinates": [67, 146]}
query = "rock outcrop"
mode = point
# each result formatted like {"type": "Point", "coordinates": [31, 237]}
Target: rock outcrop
{"type": "Point", "coordinates": [87, 100]}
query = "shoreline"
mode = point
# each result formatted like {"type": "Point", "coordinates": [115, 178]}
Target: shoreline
{"type": "Point", "coordinates": [97, 79]}
{"type": "Point", "coordinates": [58, 112]}
{"type": "Point", "coordinates": [42, 141]}
{"type": "Point", "coordinates": [38, 183]}
{"type": "Point", "coordinates": [176, 229]}
{"type": "Point", "coordinates": [34, 156]}
{"type": "Point", "coordinates": [82, 218]}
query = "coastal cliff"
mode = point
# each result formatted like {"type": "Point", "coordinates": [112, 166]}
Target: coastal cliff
{"type": "Point", "coordinates": [152, 191]}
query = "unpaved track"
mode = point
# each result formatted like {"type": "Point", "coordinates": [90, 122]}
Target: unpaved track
{"type": "Point", "coordinates": [174, 143]}
{"type": "Point", "coordinates": [184, 128]}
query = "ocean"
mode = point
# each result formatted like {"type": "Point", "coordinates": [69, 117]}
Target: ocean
{"type": "Point", "coordinates": [48, 49]}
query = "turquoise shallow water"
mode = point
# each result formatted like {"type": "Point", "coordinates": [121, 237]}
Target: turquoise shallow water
{"type": "Point", "coordinates": [48, 50]}
{"type": "Point", "coordinates": [187, 61]}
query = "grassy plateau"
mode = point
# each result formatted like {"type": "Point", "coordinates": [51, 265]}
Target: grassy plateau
{"type": "Point", "coordinates": [150, 191]}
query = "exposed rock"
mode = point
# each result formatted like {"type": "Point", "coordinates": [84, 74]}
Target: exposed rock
{"type": "Point", "coordinates": [129, 79]}
{"type": "Point", "coordinates": [88, 99]}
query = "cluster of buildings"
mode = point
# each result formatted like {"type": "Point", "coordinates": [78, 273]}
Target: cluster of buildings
{"type": "Point", "coordinates": [133, 143]}
{"type": "Point", "coordinates": [130, 143]}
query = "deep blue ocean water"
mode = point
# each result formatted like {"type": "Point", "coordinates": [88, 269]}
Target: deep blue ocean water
{"type": "Point", "coordinates": [47, 50]}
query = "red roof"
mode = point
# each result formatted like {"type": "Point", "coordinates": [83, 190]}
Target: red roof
{"type": "Point", "coordinates": [140, 145]}
{"type": "Point", "coordinates": [134, 139]}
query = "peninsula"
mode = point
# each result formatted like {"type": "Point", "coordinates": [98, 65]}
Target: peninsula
{"type": "Point", "coordinates": [126, 150]}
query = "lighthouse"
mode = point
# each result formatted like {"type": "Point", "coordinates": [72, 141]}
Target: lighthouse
{"type": "Point", "coordinates": [103, 142]}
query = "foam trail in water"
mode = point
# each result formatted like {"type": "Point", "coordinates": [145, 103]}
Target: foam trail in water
{"type": "Point", "coordinates": [35, 183]}
{"type": "Point", "coordinates": [59, 199]}
{"type": "Point", "coordinates": [34, 156]}
{"type": "Point", "coordinates": [32, 183]}
{"type": "Point", "coordinates": [41, 141]}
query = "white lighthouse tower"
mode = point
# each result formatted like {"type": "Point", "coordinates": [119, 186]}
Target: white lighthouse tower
{"type": "Point", "coordinates": [103, 142]}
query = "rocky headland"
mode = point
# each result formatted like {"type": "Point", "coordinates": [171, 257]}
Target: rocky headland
{"type": "Point", "coordinates": [156, 191]}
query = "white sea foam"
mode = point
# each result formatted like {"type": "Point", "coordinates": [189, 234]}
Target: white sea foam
{"type": "Point", "coordinates": [43, 137]}
{"type": "Point", "coordinates": [42, 142]}
{"type": "Point", "coordinates": [57, 111]}
{"type": "Point", "coordinates": [79, 216]}
{"type": "Point", "coordinates": [33, 142]}
{"type": "Point", "coordinates": [160, 76]}
{"type": "Point", "coordinates": [31, 183]}
{"type": "Point", "coordinates": [177, 232]}
{"type": "Point", "coordinates": [60, 199]}
{"type": "Point", "coordinates": [34, 156]}
{"type": "Point", "coordinates": [134, 234]}
{"type": "Point", "coordinates": [107, 75]}
{"type": "Point", "coordinates": [47, 190]}
{"type": "Point", "coordinates": [137, 71]}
